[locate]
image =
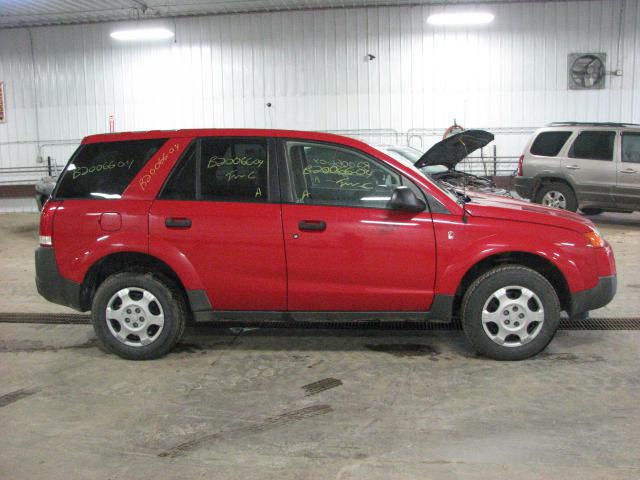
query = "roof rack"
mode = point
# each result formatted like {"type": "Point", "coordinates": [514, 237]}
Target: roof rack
{"type": "Point", "coordinates": [592, 124]}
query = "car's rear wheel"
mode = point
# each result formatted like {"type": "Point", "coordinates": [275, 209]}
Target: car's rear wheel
{"type": "Point", "coordinates": [510, 313]}
{"type": "Point", "coordinates": [557, 195]}
{"type": "Point", "coordinates": [138, 316]}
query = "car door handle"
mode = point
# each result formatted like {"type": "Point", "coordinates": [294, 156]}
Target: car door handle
{"type": "Point", "coordinates": [177, 222]}
{"type": "Point", "coordinates": [312, 225]}
{"type": "Point", "coordinates": [573, 167]}
{"type": "Point", "coordinates": [628, 170]}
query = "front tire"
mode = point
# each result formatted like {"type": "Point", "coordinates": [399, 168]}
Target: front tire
{"type": "Point", "coordinates": [557, 195]}
{"type": "Point", "coordinates": [138, 316]}
{"type": "Point", "coordinates": [510, 313]}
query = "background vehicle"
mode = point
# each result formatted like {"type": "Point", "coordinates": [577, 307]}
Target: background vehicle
{"type": "Point", "coordinates": [593, 167]}
{"type": "Point", "coordinates": [441, 160]}
{"type": "Point", "coordinates": [44, 188]}
{"type": "Point", "coordinates": [151, 229]}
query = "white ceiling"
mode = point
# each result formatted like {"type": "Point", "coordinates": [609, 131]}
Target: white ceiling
{"type": "Point", "coordinates": [24, 13]}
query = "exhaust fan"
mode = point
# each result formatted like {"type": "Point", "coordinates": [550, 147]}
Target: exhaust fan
{"type": "Point", "coordinates": [586, 71]}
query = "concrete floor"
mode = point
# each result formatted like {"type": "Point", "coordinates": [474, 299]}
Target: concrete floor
{"type": "Point", "coordinates": [315, 404]}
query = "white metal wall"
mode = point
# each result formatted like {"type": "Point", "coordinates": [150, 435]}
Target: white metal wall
{"type": "Point", "coordinates": [63, 82]}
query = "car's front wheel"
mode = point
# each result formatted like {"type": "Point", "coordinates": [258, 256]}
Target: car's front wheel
{"type": "Point", "coordinates": [138, 316]}
{"type": "Point", "coordinates": [510, 313]}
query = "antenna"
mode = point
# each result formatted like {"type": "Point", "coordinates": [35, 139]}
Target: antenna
{"type": "Point", "coordinates": [464, 184]}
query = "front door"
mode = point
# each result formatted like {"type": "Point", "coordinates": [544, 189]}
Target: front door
{"type": "Point", "coordinates": [591, 167]}
{"type": "Point", "coordinates": [346, 251]}
{"type": "Point", "coordinates": [219, 213]}
{"type": "Point", "coordinates": [628, 187]}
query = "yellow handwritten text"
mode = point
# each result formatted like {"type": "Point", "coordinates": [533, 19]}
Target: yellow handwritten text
{"type": "Point", "coordinates": [235, 161]}
{"type": "Point", "coordinates": [157, 165]}
{"type": "Point", "coordinates": [347, 184]}
{"type": "Point", "coordinates": [101, 167]}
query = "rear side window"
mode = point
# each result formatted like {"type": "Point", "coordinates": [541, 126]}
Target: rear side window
{"type": "Point", "coordinates": [549, 144]}
{"type": "Point", "coordinates": [594, 145]}
{"type": "Point", "coordinates": [221, 169]}
{"type": "Point", "coordinates": [104, 170]}
{"type": "Point", "coordinates": [631, 147]}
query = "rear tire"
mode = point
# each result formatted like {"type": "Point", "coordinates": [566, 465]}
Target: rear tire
{"type": "Point", "coordinates": [558, 195]}
{"type": "Point", "coordinates": [138, 316]}
{"type": "Point", "coordinates": [510, 313]}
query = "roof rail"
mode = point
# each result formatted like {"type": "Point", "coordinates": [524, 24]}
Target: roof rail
{"type": "Point", "coordinates": [592, 124]}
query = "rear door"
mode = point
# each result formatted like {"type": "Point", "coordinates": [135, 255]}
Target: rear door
{"type": "Point", "coordinates": [346, 251]}
{"type": "Point", "coordinates": [590, 166]}
{"type": "Point", "coordinates": [219, 210]}
{"type": "Point", "coordinates": [628, 188]}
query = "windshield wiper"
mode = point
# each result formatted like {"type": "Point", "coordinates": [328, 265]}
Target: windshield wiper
{"type": "Point", "coordinates": [462, 197]}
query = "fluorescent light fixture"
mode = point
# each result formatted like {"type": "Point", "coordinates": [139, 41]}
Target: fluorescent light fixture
{"type": "Point", "coordinates": [462, 18]}
{"type": "Point", "coordinates": [142, 34]}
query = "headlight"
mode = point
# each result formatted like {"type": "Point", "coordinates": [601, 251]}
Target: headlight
{"type": "Point", "coordinates": [594, 238]}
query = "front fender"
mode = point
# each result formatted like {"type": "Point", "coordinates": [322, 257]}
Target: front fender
{"type": "Point", "coordinates": [482, 238]}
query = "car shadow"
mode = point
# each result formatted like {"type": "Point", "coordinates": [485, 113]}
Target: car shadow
{"type": "Point", "coordinates": [398, 342]}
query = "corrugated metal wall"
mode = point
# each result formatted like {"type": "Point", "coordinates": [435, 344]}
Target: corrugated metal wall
{"type": "Point", "coordinates": [63, 82]}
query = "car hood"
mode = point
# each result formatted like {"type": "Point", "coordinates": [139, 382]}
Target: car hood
{"type": "Point", "coordinates": [450, 151]}
{"type": "Point", "coordinates": [504, 208]}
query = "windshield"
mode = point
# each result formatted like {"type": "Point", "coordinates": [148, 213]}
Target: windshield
{"type": "Point", "coordinates": [424, 173]}
{"type": "Point", "coordinates": [409, 155]}
{"type": "Point", "coordinates": [405, 157]}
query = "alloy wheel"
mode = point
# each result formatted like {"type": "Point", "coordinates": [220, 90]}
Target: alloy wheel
{"type": "Point", "coordinates": [555, 199]}
{"type": "Point", "coordinates": [512, 316]}
{"type": "Point", "coordinates": [134, 316]}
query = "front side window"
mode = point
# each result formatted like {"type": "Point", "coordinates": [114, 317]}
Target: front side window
{"type": "Point", "coordinates": [593, 145]}
{"type": "Point", "coordinates": [105, 169]}
{"type": "Point", "coordinates": [549, 144]}
{"type": "Point", "coordinates": [331, 175]}
{"type": "Point", "coordinates": [631, 147]}
{"type": "Point", "coordinates": [221, 169]}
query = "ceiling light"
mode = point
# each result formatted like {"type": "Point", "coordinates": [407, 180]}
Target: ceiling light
{"type": "Point", "coordinates": [142, 34]}
{"type": "Point", "coordinates": [463, 18]}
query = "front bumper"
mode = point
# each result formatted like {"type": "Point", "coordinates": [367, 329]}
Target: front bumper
{"type": "Point", "coordinates": [53, 286]}
{"type": "Point", "coordinates": [595, 297]}
{"type": "Point", "coordinates": [524, 187]}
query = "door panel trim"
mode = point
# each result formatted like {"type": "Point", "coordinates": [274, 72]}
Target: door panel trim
{"type": "Point", "coordinates": [440, 312]}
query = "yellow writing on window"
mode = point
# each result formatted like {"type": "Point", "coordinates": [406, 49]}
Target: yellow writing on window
{"type": "Point", "coordinates": [234, 161]}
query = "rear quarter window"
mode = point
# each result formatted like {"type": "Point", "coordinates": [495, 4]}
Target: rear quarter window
{"type": "Point", "coordinates": [549, 144]}
{"type": "Point", "coordinates": [105, 169]}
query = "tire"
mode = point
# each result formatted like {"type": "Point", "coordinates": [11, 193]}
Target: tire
{"type": "Point", "coordinates": [558, 195]}
{"type": "Point", "coordinates": [154, 311]}
{"type": "Point", "coordinates": [591, 211]}
{"type": "Point", "coordinates": [532, 319]}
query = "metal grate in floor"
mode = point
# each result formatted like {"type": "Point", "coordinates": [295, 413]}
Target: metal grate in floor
{"type": "Point", "coordinates": [48, 318]}
{"type": "Point", "coordinates": [629, 323]}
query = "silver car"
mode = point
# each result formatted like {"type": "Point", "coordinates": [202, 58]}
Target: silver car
{"type": "Point", "coordinates": [593, 167]}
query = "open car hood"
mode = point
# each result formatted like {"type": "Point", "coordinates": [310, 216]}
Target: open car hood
{"type": "Point", "coordinates": [453, 149]}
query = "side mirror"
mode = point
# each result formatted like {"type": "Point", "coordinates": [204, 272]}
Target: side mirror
{"type": "Point", "coordinates": [403, 198]}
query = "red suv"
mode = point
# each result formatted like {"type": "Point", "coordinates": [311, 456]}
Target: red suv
{"type": "Point", "coordinates": [150, 230]}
